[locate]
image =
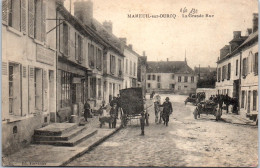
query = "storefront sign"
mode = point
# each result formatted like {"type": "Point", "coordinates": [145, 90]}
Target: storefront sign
{"type": "Point", "coordinates": [45, 55]}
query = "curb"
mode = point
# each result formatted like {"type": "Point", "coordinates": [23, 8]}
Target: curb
{"type": "Point", "coordinates": [90, 148]}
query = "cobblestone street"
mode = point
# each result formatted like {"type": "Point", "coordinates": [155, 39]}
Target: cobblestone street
{"type": "Point", "coordinates": [185, 142]}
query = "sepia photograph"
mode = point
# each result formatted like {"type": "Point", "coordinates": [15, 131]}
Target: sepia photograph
{"type": "Point", "coordinates": [129, 83]}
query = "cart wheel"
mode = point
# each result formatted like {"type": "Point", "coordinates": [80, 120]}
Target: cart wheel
{"type": "Point", "coordinates": [195, 113]}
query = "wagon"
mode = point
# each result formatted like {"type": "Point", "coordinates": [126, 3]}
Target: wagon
{"type": "Point", "coordinates": [207, 107]}
{"type": "Point", "coordinates": [132, 104]}
{"type": "Point", "coordinates": [192, 99]}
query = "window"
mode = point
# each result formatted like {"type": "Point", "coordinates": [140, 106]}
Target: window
{"type": "Point", "coordinates": [172, 76]}
{"type": "Point", "coordinates": [131, 68]}
{"type": "Point", "coordinates": [256, 64]}
{"type": "Point", "coordinates": [99, 59]}
{"type": "Point", "coordinates": [158, 78]}
{"type": "Point", "coordinates": [244, 71]}
{"type": "Point", "coordinates": [15, 94]}
{"type": "Point", "coordinates": [185, 86]}
{"type": "Point", "coordinates": [229, 71]}
{"type": "Point", "coordinates": [66, 39]}
{"type": "Point", "coordinates": [192, 79]}
{"type": "Point", "coordinates": [154, 77]}
{"type": "Point", "coordinates": [91, 57]}
{"type": "Point", "coordinates": [134, 68]}
{"type": "Point", "coordinates": [112, 64]}
{"type": "Point", "coordinates": [120, 73]}
{"type": "Point", "coordinates": [186, 79]}
{"type": "Point", "coordinates": [254, 99]}
{"type": "Point", "coordinates": [148, 85]}
{"type": "Point", "coordinates": [66, 82]}
{"type": "Point", "coordinates": [243, 99]}
{"type": "Point", "coordinates": [236, 67]}
{"type": "Point", "coordinates": [223, 72]}
{"type": "Point", "coordinates": [172, 86]}
{"type": "Point", "coordinates": [148, 77]}
{"type": "Point", "coordinates": [38, 88]}
{"type": "Point", "coordinates": [126, 66]}
{"type": "Point", "coordinates": [78, 48]}
{"type": "Point", "coordinates": [219, 74]}
{"type": "Point", "coordinates": [99, 88]}
{"type": "Point", "coordinates": [179, 78]}
{"type": "Point", "coordinates": [158, 85]}
{"type": "Point", "coordinates": [92, 87]}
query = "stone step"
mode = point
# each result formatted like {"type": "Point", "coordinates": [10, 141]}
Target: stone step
{"type": "Point", "coordinates": [55, 129]}
{"type": "Point", "coordinates": [72, 142]}
{"type": "Point", "coordinates": [63, 137]}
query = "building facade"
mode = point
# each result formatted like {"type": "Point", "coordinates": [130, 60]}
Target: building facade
{"type": "Point", "coordinates": [237, 70]}
{"type": "Point", "coordinates": [170, 76]}
{"type": "Point", "coordinates": [28, 70]}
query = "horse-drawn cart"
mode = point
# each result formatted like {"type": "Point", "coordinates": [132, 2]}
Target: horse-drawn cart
{"type": "Point", "coordinates": [132, 104]}
{"type": "Point", "coordinates": [207, 107]}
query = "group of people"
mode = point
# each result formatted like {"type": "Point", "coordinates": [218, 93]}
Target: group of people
{"type": "Point", "coordinates": [162, 114]}
{"type": "Point", "coordinates": [221, 99]}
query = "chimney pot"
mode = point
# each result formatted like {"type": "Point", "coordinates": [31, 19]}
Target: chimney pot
{"type": "Point", "coordinates": [108, 26]}
{"type": "Point", "coordinates": [237, 34]}
{"type": "Point", "coordinates": [123, 40]}
{"type": "Point", "coordinates": [249, 31]}
{"type": "Point", "coordinates": [255, 22]}
{"type": "Point", "coordinates": [130, 46]}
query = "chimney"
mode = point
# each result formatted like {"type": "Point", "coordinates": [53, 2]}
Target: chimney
{"type": "Point", "coordinates": [167, 59]}
{"type": "Point", "coordinates": [108, 26]}
{"type": "Point", "coordinates": [123, 40]}
{"type": "Point", "coordinates": [130, 46]}
{"type": "Point", "coordinates": [143, 53]}
{"type": "Point", "coordinates": [237, 34]}
{"type": "Point", "coordinates": [249, 31]}
{"type": "Point", "coordinates": [255, 22]}
{"type": "Point", "coordinates": [83, 10]}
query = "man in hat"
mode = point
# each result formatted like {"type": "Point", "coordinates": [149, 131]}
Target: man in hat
{"type": "Point", "coordinates": [167, 110]}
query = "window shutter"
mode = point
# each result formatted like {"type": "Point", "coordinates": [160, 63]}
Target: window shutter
{"type": "Point", "coordinates": [61, 36]}
{"type": "Point", "coordinates": [31, 90]}
{"type": "Point", "coordinates": [5, 11]}
{"type": "Point", "coordinates": [247, 67]}
{"type": "Point", "coordinates": [76, 47]}
{"type": "Point", "coordinates": [16, 14]}
{"type": "Point", "coordinates": [23, 16]}
{"type": "Point", "coordinates": [43, 29]}
{"type": "Point", "coordinates": [31, 18]}
{"type": "Point", "coordinates": [45, 87]}
{"type": "Point", "coordinates": [68, 41]}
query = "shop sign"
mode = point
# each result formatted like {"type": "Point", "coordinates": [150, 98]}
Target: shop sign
{"type": "Point", "coordinates": [45, 55]}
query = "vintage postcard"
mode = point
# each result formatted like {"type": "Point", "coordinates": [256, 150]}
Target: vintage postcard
{"type": "Point", "coordinates": [162, 83]}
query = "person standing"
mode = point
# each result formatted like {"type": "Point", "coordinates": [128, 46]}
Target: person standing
{"type": "Point", "coordinates": [167, 110]}
{"type": "Point", "coordinates": [113, 113]}
{"type": "Point", "coordinates": [157, 108]}
{"type": "Point", "coordinates": [86, 110]}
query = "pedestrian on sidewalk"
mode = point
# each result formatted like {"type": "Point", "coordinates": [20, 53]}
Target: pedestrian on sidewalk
{"type": "Point", "coordinates": [86, 110]}
{"type": "Point", "coordinates": [167, 110]}
{"type": "Point", "coordinates": [142, 122]}
{"type": "Point", "coordinates": [146, 113]}
{"type": "Point", "coordinates": [113, 113]}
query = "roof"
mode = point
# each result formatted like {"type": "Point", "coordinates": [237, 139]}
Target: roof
{"type": "Point", "coordinates": [168, 67]}
{"type": "Point", "coordinates": [253, 37]}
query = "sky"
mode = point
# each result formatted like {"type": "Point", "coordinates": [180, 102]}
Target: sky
{"type": "Point", "coordinates": [163, 38]}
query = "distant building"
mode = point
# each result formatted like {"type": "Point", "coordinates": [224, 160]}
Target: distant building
{"type": "Point", "coordinates": [141, 72]}
{"type": "Point", "coordinates": [170, 76]}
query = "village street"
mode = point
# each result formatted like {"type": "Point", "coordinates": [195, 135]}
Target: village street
{"type": "Point", "coordinates": [185, 142]}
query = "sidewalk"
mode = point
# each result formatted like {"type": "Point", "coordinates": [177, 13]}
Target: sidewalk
{"type": "Point", "coordinates": [240, 119]}
{"type": "Point", "coordinates": [49, 155]}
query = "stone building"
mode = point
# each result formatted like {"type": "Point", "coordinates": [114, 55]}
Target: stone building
{"type": "Point", "coordinates": [28, 70]}
{"type": "Point", "coordinates": [170, 76]}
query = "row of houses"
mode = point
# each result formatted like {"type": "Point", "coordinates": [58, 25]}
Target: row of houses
{"type": "Point", "coordinates": [53, 60]}
{"type": "Point", "coordinates": [237, 69]}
